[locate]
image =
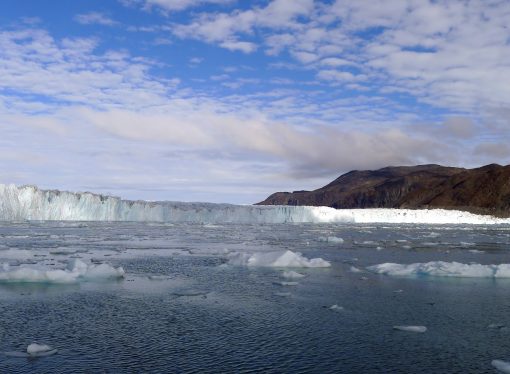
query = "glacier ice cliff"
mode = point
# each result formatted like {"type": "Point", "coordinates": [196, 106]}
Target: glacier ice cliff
{"type": "Point", "coordinates": [32, 203]}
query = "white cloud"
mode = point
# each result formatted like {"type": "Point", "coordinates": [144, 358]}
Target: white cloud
{"type": "Point", "coordinates": [72, 104]}
{"type": "Point", "coordinates": [234, 45]}
{"type": "Point", "coordinates": [171, 5]}
{"type": "Point", "coordinates": [95, 18]}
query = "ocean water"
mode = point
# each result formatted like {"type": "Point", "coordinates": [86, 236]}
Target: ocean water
{"type": "Point", "coordinates": [184, 306]}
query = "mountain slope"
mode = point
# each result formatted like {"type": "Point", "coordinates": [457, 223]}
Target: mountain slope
{"type": "Point", "coordinates": [481, 190]}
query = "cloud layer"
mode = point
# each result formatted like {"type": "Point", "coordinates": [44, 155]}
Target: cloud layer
{"type": "Point", "coordinates": [304, 90]}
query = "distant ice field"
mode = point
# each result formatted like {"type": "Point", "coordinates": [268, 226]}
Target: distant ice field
{"type": "Point", "coordinates": [213, 297]}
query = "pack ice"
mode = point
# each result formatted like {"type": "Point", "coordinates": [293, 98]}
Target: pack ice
{"type": "Point", "coordinates": [277, 259]}
{"type": "Point", "coordinates": [31, 203]}
{"type": "Point", "coordinates": [443, 269]}
{"type": "Point", "coordinates": [76, 270]}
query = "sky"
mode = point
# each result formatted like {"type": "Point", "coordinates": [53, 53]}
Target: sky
{"type": "Point", "coordinates": [232, 100]}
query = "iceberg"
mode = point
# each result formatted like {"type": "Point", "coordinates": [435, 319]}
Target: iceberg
{"type": "Point", "coordinates": [76, 270]}
{"type": "Point", "coordinates": [32, 203]}
{"type": "Point", "coordinates": [277, 259]}
{"type": "Point", "coordinates": [443, 269]}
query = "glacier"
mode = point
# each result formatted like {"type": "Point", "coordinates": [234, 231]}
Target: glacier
{"type": "Point", "coordinates": [32, 203]}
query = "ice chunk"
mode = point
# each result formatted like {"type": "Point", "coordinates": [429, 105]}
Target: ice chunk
{"type": "Point", "coordinates": [496, 326]}
{"type": "Point", "coordinates": [282, 294]}
{"type": "Point", "coordinates": [502, 366]}
{"type": "Point", "coordinates": [76, 270]}
{"type": "Point", "coordinates": [285, 283]}
{"type": "Point", "coordinates": [475, 251]}
{"type": "Point", "coordinates": [336, 308]}
{"type": "Point", "coordinates": [292, 274]}
{"type": "Point", "coordinates": [443, 269]}
{"type": "Point", "coordinates": [331, 239]}
{"type": "Point", "coordinates": [410, 328]}
{"type": "Point", "coordinates": [354, 269]}
{"type": "Point", "coordinates": [277, 259]}
{"type": "Point", "coordinates": [37, 348]}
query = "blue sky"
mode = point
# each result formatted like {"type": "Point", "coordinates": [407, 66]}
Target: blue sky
{"type": "Point", "coordinates": [229, 101]}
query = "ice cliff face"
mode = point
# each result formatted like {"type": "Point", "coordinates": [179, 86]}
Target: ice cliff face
{"type": "Point", "coordinates": [31, 203]}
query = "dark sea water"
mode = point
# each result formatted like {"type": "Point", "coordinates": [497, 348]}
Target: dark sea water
{"type": "Point", "coordinates": [181, 308]}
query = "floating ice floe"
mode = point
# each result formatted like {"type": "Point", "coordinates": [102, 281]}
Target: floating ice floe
{"type": "Point", "coordinates": [443, 269]}
{"type": "Point", "coordinates": [76, 270]}
{"type": "Point", "coordinates": [39, 350]}
{"type": "Point", "coordinates": [282, 294]}
{"type": "Point", "coordinates": [277, 259]}
{"type": "Point", "coordinates": [285, 283]}
{"type": "Point", "coordinates": [496, 326]}
{"type": "Point", "coordinates": [502, 366]}
{"type": "Point", "coordinates": [331, 239]}
{"type": "Point", "coordinates": [354, 269]}
{"type": "Point", "coordinates": [290, 274]}
{"type": "Point", "coordinates": [475, 251]}
{"type": "Point", "coordinates": [336, 308]}
{"type": "Point", "coordinates": [410, 328]}
{"type": "Point", "coordinates": [34, 350]}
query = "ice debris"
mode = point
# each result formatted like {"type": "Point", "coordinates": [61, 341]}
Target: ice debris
{"type": "Point", "coordinates": [285, 283]}
{"type": "Point", "coordinates": [410, 328]}
{"type": "Point", "coordinates": [336, 308]}
{"type": "Point", "coordinates": [502, 366]}
{"type": "Point", "coordinates": [331, 239]}
{"type": "Point", "coordinates": [39, 350]}
{"type": "Point", "coordinates": [496, 326]}
{"type": "Point", "coordinates": [277, 259]}
{"type": "Point", "coordinates": [76, 270]}
{"type": "Point", "coordinates": [354, 269]}
{"type": "Point", "coordinates": [443, 269]}
{"type": "Point", "coordinates": [34, 350]}
{"type": "Point", "coordinates": [292, 274]}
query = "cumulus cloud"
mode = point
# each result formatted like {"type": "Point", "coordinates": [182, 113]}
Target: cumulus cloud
{"type": "Point", "coordinates": [71, 102]}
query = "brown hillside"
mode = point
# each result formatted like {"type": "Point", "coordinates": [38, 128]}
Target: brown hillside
{"type": "Point", "coordinates": [482, 190]}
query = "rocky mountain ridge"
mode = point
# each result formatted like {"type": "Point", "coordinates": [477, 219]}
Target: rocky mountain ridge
{"type": "Point", "coordinates": [484, 190]}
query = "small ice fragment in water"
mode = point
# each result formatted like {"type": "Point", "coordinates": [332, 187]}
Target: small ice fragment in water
{"type": "Point", "coordinates": [286, 283]}
{"type": "Point", "coordinates": [354, 269]}
{"type": "Point", "coordinates": [36, 348]}
{"type": "Point", "coordinates": [502, 366]}
{"type": "Point", "coordinates": [336, 308]}
{"type": "Point", "coordinates": [331, 239]}
{"type": "Point", "coordinates": [276, 259]}
{"type": "Point", "coordinates": [398, 291]}
{"type": "Point", "coordinates": [496, 326]}
{"type": "Point", "coordinates": [475, 251]}
{"type": "Point", "coordinates": [157, 277]}
{"type": "Point", "coordinates": [410, 328]}
{"type": "Point", "coordinates": [40, 350]}
{"type": "Point", "coordinates": [282, 294]}
{"type": "Point", "coordinates": [292, 274]}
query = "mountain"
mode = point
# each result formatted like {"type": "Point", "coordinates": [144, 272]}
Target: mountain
{"type": "Point", "coordinates": [484, 190]}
